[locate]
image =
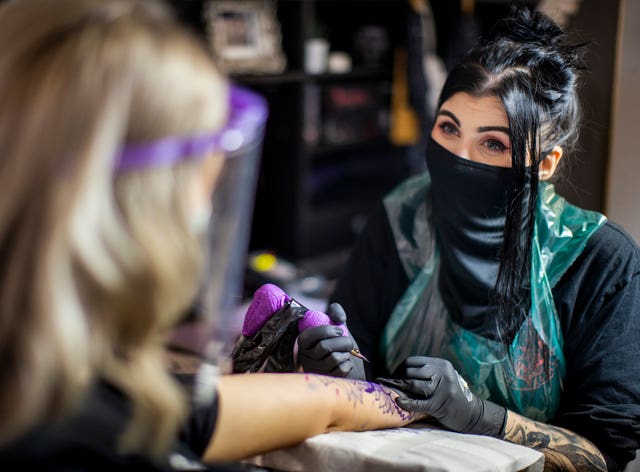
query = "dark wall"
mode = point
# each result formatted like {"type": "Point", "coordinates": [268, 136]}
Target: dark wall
{"type": "Point", "coordinates": [584, 170]}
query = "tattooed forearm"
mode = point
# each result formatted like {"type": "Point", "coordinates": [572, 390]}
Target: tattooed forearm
{"type": "Point", "coordinates": [385, 400]}
{"type": "Point", "coordinates": [355, 396]}
{"type": "Point", "coordinates": [563, 450]}
{"type": "Point", "coordinates": [357, 391]}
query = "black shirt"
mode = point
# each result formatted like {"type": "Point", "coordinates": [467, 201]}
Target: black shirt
{"type": "Point", "coordinates": [87, 441]}
{"type": "Point", "coordinates": [598, 304]}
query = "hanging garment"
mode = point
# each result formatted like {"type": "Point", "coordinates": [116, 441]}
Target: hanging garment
{"type": "Point", "coordinates": [525, 376]}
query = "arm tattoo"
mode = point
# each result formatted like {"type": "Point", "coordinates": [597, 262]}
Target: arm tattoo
{"type": "Point", "coordinates": [563, 449]}
{"type": "Point", "coordinates": [355, 390]}
{"type": "Point", "coordinates": [384, 399]}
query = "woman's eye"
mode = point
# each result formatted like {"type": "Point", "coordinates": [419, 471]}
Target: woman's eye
{"type": "Point", "coordinates": [495, 146]}
{"type": "Point", "coordinates": [448, 128]}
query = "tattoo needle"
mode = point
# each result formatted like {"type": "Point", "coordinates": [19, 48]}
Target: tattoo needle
{"type": "Point", "coordinates": [358, 354]}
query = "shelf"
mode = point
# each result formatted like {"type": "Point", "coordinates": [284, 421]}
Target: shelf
{"type": "Point", "coordinates": [300, 77]}
{"type": "Point", "coordinates": [355, 74]}
{"type": "Point", "coordinates": [321, 150]}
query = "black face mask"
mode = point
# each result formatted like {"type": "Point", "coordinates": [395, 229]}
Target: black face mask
{"type": "Point", "coordinates": [468, 205]}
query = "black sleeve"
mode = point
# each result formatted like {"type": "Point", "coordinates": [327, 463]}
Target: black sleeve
{"type": "Point", "coordinates": [598, 301]}
{"type": "Point", "coordinates": [370, 286]}
{"type": "Point", "coordinates": [196, 432]}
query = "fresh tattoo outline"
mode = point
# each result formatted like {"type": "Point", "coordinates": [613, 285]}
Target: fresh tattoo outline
{"type": "Point", "coordinates": [382, 396]}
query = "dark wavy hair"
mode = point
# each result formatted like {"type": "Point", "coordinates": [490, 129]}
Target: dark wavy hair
{"type": "Point", "coordinates": [527, 63]}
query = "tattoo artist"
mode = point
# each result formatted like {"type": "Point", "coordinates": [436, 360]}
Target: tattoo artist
{"type": "Point", "coordinates": [497, 306]}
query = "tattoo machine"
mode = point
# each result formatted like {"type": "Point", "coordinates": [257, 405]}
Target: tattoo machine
{"type": "Point", "coordinates": [271, 326]}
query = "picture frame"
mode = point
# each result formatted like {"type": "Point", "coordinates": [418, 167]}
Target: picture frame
{"type": "Point", "coordinates": [245, 36]}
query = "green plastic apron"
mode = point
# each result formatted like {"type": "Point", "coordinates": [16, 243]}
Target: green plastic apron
{"type": "Point", "coordinates": [527, 375]}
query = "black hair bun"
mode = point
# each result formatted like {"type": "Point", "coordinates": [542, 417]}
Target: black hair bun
{"type": "Point", "coordinates": [537, 30]}
{"type": "Point", "coordinates": [526, 26]}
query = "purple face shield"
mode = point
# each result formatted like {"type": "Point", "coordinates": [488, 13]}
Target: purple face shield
{"type": "Point", "coordinates": [247, 116]}
{"type": "Point", "coordinates": [214, 327]}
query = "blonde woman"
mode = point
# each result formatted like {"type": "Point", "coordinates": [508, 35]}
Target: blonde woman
{"type": "Point", "coordinates": [109, 152]}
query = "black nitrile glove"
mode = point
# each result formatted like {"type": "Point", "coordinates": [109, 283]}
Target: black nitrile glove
{"type": "Point", "coordinates": [436, 388]}
{"type": "Point", "coordinates": [325, 350]}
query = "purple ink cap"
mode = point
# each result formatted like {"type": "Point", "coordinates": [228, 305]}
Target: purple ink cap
{"type": "Point", "coordinates": [247, 116]}
{"type": "Point", "coordinates": [267, 300]}
{"type": "Point", "coordinates": [317, 318]}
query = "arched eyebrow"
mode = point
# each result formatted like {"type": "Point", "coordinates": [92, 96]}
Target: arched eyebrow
{"type": "Point", "coordinates": [504, 129]}
{"type": "Point", "coordinates": [481, 129]}
{"type": "Point", "coordinates": [450, 115]}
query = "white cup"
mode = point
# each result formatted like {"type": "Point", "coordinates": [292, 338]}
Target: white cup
{"type": "Point", "coordinates": [339, 62]}
{"type": "Point", "coordinates": [316, 55]}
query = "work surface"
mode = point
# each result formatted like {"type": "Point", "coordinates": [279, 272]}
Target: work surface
{"type": "Point", "coordinates": [416, 448]}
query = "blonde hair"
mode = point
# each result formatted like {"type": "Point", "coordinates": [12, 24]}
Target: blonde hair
{"type": "Point", "coordinates": [96, 267]}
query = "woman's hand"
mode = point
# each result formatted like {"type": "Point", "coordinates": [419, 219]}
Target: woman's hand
{"type": "Point", "coordinates": [435, 388]}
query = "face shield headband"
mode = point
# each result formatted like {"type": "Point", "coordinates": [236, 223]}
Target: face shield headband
{"type": "Point", "coordinates": [247, 116]}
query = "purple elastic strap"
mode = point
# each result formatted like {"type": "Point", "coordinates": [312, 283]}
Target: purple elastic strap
{"type": "Point", "coordinates": [247, 115]}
